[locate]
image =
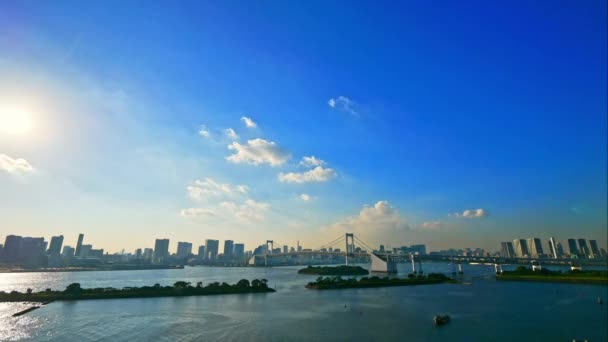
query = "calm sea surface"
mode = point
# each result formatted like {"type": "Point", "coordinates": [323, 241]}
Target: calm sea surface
{"type": "Point", "coordinates": [487, 310]}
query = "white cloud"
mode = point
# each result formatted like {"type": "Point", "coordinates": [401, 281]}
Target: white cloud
{"type": "Point", "coordinates": [318, 174]}
{"type": "Point", "coordinates": [343, 103]}
{"type": "Point", "coordinates": [432, 225]}
{"type": "Point", "coordinates": [471, 213]}
{"type": "Point", "coordinates": [248, 122]}
{"type": "Point", "coordinates": [248, 211]}
{"type": "Point", "coordinates": [305, 197]}
{"type": "Point", "coordinates": [230, 133]}
{"type": "Point", "coordinates": [12, 165]}
{"type": "Point", "coordinates": [311, 161]}
{"type": "Point", "coordinates": [203, 132]}
{"type": "Point", "coordinates": [256, 152]}
{"type": "Point", "coordinates": [381, 222]}
{"type": "Point", "coordinates": [208, 187]}
{"type": "Point", "coordinates": [196, 212]}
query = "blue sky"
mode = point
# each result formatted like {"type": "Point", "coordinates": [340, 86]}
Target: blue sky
{"type": "Point", "coordinates": [446, 123]}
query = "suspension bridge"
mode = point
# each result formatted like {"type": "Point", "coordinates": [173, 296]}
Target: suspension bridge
{"type": "Point", "coordinates": [355, 251]}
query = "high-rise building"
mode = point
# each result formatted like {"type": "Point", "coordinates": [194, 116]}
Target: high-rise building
{"type": "Point", "coordinates": [85, 251]}
{"type": "Point", "coordinates": [55, 246]}
{"type": "Point", "coordinates": [201, 252]}
{"type": "Point", "coordinates": [12, 244]}
{"type": "Point", "coordinates": [507, 250]}
{"type": "Point", "coordinates": [161, 250]}
{"type": "Point", "coordinates": [559, 249]}
{"type": "Point", "coordinates": [228, 249]}
{"type": "Point", "coordinates": [184, 249]}
{"type": "Point", "coordinates": [553, 247]}
{"type": "Point", "coordinates": [68, 251]}
{"type": "Point", "coordinates": [418, 249]}
{"type": "Point", "coordinates": [521, 248]}
{"type": "Point", "coordinates": [285, 249]}
{"type": "Point", "coordinates": [31, 248]}
{"type": "Point", "coordinates": [535, 247]}
{"type": "Point", "coordinates": [138, 253]}
{"type": "Point", "coordinates": [299, 247]}
{"type": "Point", "coordinates": [573, 248]}
{"type": "Point", "coordinates": [239, 250]}
{"type": "Point", "coordinates": [79, 244]}
{"type": "Point", "coordinates": [212, 248]}
{"type": "Point", "coordinates": [595, 251]}
{"type": "Point", "coordinates": [583, 248]}
{"type": "Point", "coordinates": [148, 253]}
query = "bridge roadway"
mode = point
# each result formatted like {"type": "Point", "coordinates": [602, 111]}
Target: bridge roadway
{"type": "Point", "coordinates": [319, 256]}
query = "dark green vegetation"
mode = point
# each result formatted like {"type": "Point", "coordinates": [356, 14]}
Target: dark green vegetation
{"type": "Point", "coordinates": [335, 270]}
{"type": "Point", "coordinates": [328, 283]}
{"type": "Point", "coordinates": [580, 277]}
{"type": "Point", "coordinates": [179, 289]}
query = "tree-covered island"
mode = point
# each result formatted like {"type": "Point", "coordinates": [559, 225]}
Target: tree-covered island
{"type": "Point", "coordinates": [334, 270]}
{"type": "Point", "coordinates": [332, 283]}
{"type": "Point", "coordinates": [179, 289]}
{"type": "Point", "coordinates": [522, 273]}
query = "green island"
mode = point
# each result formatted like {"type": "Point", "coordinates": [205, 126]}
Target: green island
{"type": "Point", "coordinates": [334, 283]}
{"type": "Point", "coordinates": [179, 289]}
{"type": "Point", "coordinates": [335, 270]}
{"type": "Point", "coordinates": [522, 273]}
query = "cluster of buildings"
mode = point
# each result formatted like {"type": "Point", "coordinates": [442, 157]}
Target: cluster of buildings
{"type": "Point", "coordinates": [207, 253]}
{"type": "Point", "coordinates": [36, 252]}
{"type": "Point", "coordinates": [533, 248]}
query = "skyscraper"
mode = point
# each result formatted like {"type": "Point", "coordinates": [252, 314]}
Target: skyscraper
{"type": "Point", "coordinates": [228, 249]}
{"type": "Point", "coordinates": [535, 247]}
{"type": "Point", "coordinates": [239, 250]}
{"type": "Point", "coordinates": [595, 251]}
{"type": "Point", "coordinates": [573, 248]}
{"type": "Point", "coordinates": [507, 250]}
{"type": "Point", "coordinates": [55, 246]}
{"type": "Point", "coordinates": [161, 250]}
{"type": "Point", "coordinates": [79, 244]}
{"type": "Point", "coordinates": [553, 247]}
{"type": "Point", "coordinates": [12, 244]}
{"type": "Point", "coordinates": [583, 248]}
{"type": "Point", "coordinates": [68, 251]}
{"type": "Point", "coordinates": [184, 249]}
{"type": "Point", "coordinates": [521, 248]}
{"type": "Point", "coordinates": [201, 252]}
{"type": "Point", "coordinates": [212, 248]}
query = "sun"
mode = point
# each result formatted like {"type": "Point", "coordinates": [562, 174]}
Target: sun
{"type": "Point", "coordinates": [15, 120]}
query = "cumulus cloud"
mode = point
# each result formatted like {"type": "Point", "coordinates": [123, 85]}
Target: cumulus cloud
{"type": "Point", "coordinates": [343, 103]}
{"type": "Point", "coordinates": [305, 197]}
{"type": "Point", "coordinates": [231, 134]}
{"type": "Point", "coordinates": [380, 222]}
{"type": "Point", "coordinates": [311, 161]}
{"type": "Point", "coordinates": [471, 213]}
{"type": "Point", "coordinates": [204, 132]}
{"type": "Point", "coordinates": [318, 174]}
{"type": "Point", "coordinates": [256, 152]}
{"type": "Point", "coordinates": [249, 211]}
{"type": "Point", "coordinates": [196, 212]}
{"type": "Point", "coordinates": [248, 122]}
{"type": "Point", "coordinates": [11, 165]}
{"type": "Point", "coordinates": [201, 189]}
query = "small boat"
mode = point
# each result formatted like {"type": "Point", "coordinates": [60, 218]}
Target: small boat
{"type": "Point", "coordinates": [441, 319]}
{"type": "Point", "coordinates": [465, 283]}
{"type": "Point", "coordinates": [599, 300]}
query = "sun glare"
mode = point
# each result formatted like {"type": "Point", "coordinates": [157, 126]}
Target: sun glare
{"type": "Point", "coordinates": [15, 120]}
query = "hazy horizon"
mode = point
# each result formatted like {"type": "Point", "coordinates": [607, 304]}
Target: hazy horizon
{"type": "Point", "coordinates": [454, 126]}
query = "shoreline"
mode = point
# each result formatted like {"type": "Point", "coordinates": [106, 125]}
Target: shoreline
{"type": "Point", "coordinates": [88, 269]}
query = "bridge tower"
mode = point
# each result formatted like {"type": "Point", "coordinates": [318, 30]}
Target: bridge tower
{"type": "Point", "coordinates": [350, 246]}
{"type": "Point", "coordinates": [271, 244]}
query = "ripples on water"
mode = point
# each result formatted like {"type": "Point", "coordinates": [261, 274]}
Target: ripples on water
{"type": "Point", "coordinates": [486, 310]}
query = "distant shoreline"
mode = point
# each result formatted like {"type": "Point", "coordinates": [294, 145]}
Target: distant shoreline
{"type": "Point", "coordinates": [547, 276]}
{"type": "Point", "coordinates": [90, 269]}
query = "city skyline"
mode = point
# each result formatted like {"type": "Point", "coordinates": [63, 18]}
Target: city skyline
{"type": "Point", "coordinates": [219, 126]}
